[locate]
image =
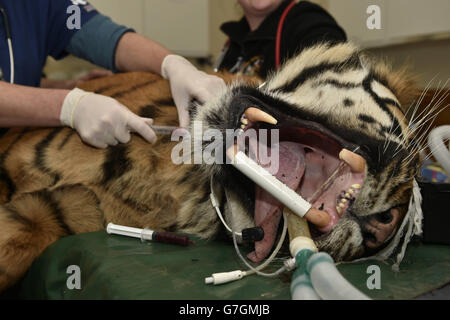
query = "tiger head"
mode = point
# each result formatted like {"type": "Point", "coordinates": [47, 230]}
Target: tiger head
{"type": "Point", "coordinates": [328, 98]}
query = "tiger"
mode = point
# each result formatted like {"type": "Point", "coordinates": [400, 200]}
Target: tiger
{"type": "Point", "coordinates": [327, 98]}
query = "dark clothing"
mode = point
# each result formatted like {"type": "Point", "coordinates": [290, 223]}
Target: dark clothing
{"type": "Point", "coordinates": [38, 29]}
{"type": "Point", "coordinates": [306, 24]}
{"type": "Point", "coordinates": [42, 27]}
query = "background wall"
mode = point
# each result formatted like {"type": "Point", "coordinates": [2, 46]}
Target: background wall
{"type": "Point", "coordinates": [412, 31]}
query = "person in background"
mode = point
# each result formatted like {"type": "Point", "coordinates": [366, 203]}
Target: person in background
{"type": "Point", "coordinates": [252, 41]}
{"type": "Point", "coordinates": [40, 28]}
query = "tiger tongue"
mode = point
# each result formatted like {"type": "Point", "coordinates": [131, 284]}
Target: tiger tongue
{"type": "Point", "coordinates": [268, 210]}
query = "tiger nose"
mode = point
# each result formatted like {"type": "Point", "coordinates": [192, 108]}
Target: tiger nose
{"type": "Point", "coordinates": [379, 228]}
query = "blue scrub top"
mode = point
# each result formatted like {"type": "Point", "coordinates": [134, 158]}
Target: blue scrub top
{"type": "Point", "coordinates": [38, 29]}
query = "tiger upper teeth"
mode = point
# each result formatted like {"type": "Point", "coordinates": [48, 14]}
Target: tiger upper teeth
{"type": "Point", "coordinates": [355, 161]}
{"type": "Point", "coordinates": [257, 115]}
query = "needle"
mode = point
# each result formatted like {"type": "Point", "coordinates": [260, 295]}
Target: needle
{"type": "Point", "coordinates": [163, 130]}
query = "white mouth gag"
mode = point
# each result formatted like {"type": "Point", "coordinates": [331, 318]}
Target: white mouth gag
{"type": "Point", "coordinates": [276, 188]}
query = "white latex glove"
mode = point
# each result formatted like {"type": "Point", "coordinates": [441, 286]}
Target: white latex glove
{"type": "Point", "coordinates": [101, 121]}
{"type": "Point", "coordinates": [187, 82]}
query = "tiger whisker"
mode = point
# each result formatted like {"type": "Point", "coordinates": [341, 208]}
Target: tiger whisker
{"type": "Point", "coordinates": [428, 107]}
{"type": "Point", "coordinates": [420, 140]}
{"type": "Point", "coordinates": [420, 99]}
{"type": "Point", "coordinates": [432, 151]}
{"type": "Point", "coordinates": [411, 131]}
{"type": "Point", "coordinates": [414, 103]}
{"type": "Point", "coordinates": [427, 115]}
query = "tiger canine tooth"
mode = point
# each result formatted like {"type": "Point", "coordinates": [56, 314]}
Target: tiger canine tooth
{"type": "Point", "coordinates": [339, 210]}
{"type": "Point", "coordinates": [356, 186]}
{"type": "Point", "coordinates": [244, 121]}
{"type": "Point", "coordinates": [317, 217]}
{"type": "Point", "coordinates": [356, 163]}
{"type": "Point", "coordinates": [256, 115]}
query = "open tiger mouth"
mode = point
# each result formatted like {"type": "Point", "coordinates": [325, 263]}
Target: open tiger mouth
{"type": "Point", "coordinates": [312, 161]}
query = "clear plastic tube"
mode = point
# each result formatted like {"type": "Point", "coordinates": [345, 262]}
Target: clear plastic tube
{"type": "Point", "coordinates": [301, 285]}
{"type": "Point", "coordinates": [272, 256]}
{"type": "Point", "coordinates": [302, 288]}
{"type": "Point", "coordinates": [436, 142]}
{"type": "Point", "coordinates": [328, 281]}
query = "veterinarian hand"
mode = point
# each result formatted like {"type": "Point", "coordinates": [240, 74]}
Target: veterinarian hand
{"type": "Point", "coordinates": [188, 83]}
{"type": "Point", "coordinates": [101, 121]}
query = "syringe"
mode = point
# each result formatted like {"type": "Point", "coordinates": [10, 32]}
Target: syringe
{"type": "Point", "coordinates": [147, 234]}
{"type": "Point", "coordinates": [163, 130]}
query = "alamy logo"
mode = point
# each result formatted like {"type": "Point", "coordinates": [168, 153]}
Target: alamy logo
{"type": "Point", "coordinates": [374, 20]}
{"type": "Point", "coordinates": [74, 280]}
{"type": "Point", "coordinates": [374, 280]}
{"type": "Point", "coordinates": [73, 22]}
{"type": "Point", "coordinates": [208, 146]}
{"type": "Point", "coordinates": [79, 2]}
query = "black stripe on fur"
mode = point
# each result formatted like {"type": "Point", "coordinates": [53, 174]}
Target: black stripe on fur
{"type": "Point", "coordinates": [308, 73]}
{"type": "Point", "coordinates": [116, 163]}
{"type": "Point", "coordinates": [40, 149]}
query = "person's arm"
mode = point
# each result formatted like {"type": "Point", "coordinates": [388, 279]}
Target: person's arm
{"type": "Point", "coordinates": [57, 84]}
{"type": "Point", "coordinates": [138, 53]}
{"type": "Point", "coordinates": [135, 52]}
{"type": "Point", "coordinates": [118, 48]}
{"type": "Point", "coordinates": [99, 120]}
{"type": "Point", "coordinates": [28, 106]}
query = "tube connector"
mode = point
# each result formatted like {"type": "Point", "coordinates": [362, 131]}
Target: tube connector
{"type": "Point", "coordinates": [300, 243]}
{"type": "Point", "coordinates": [290, 264]}
{"type": "Point", "coordinates": [225, 277]}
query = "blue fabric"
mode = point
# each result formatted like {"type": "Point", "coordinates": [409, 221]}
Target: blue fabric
{"type": "Point", "coordinates": [39, 29]}
{"type": "Point", "coordinates": [97, 41]}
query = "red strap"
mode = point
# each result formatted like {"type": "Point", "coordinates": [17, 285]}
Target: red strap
{"type": "Point", "coordinates": [279, 32]}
